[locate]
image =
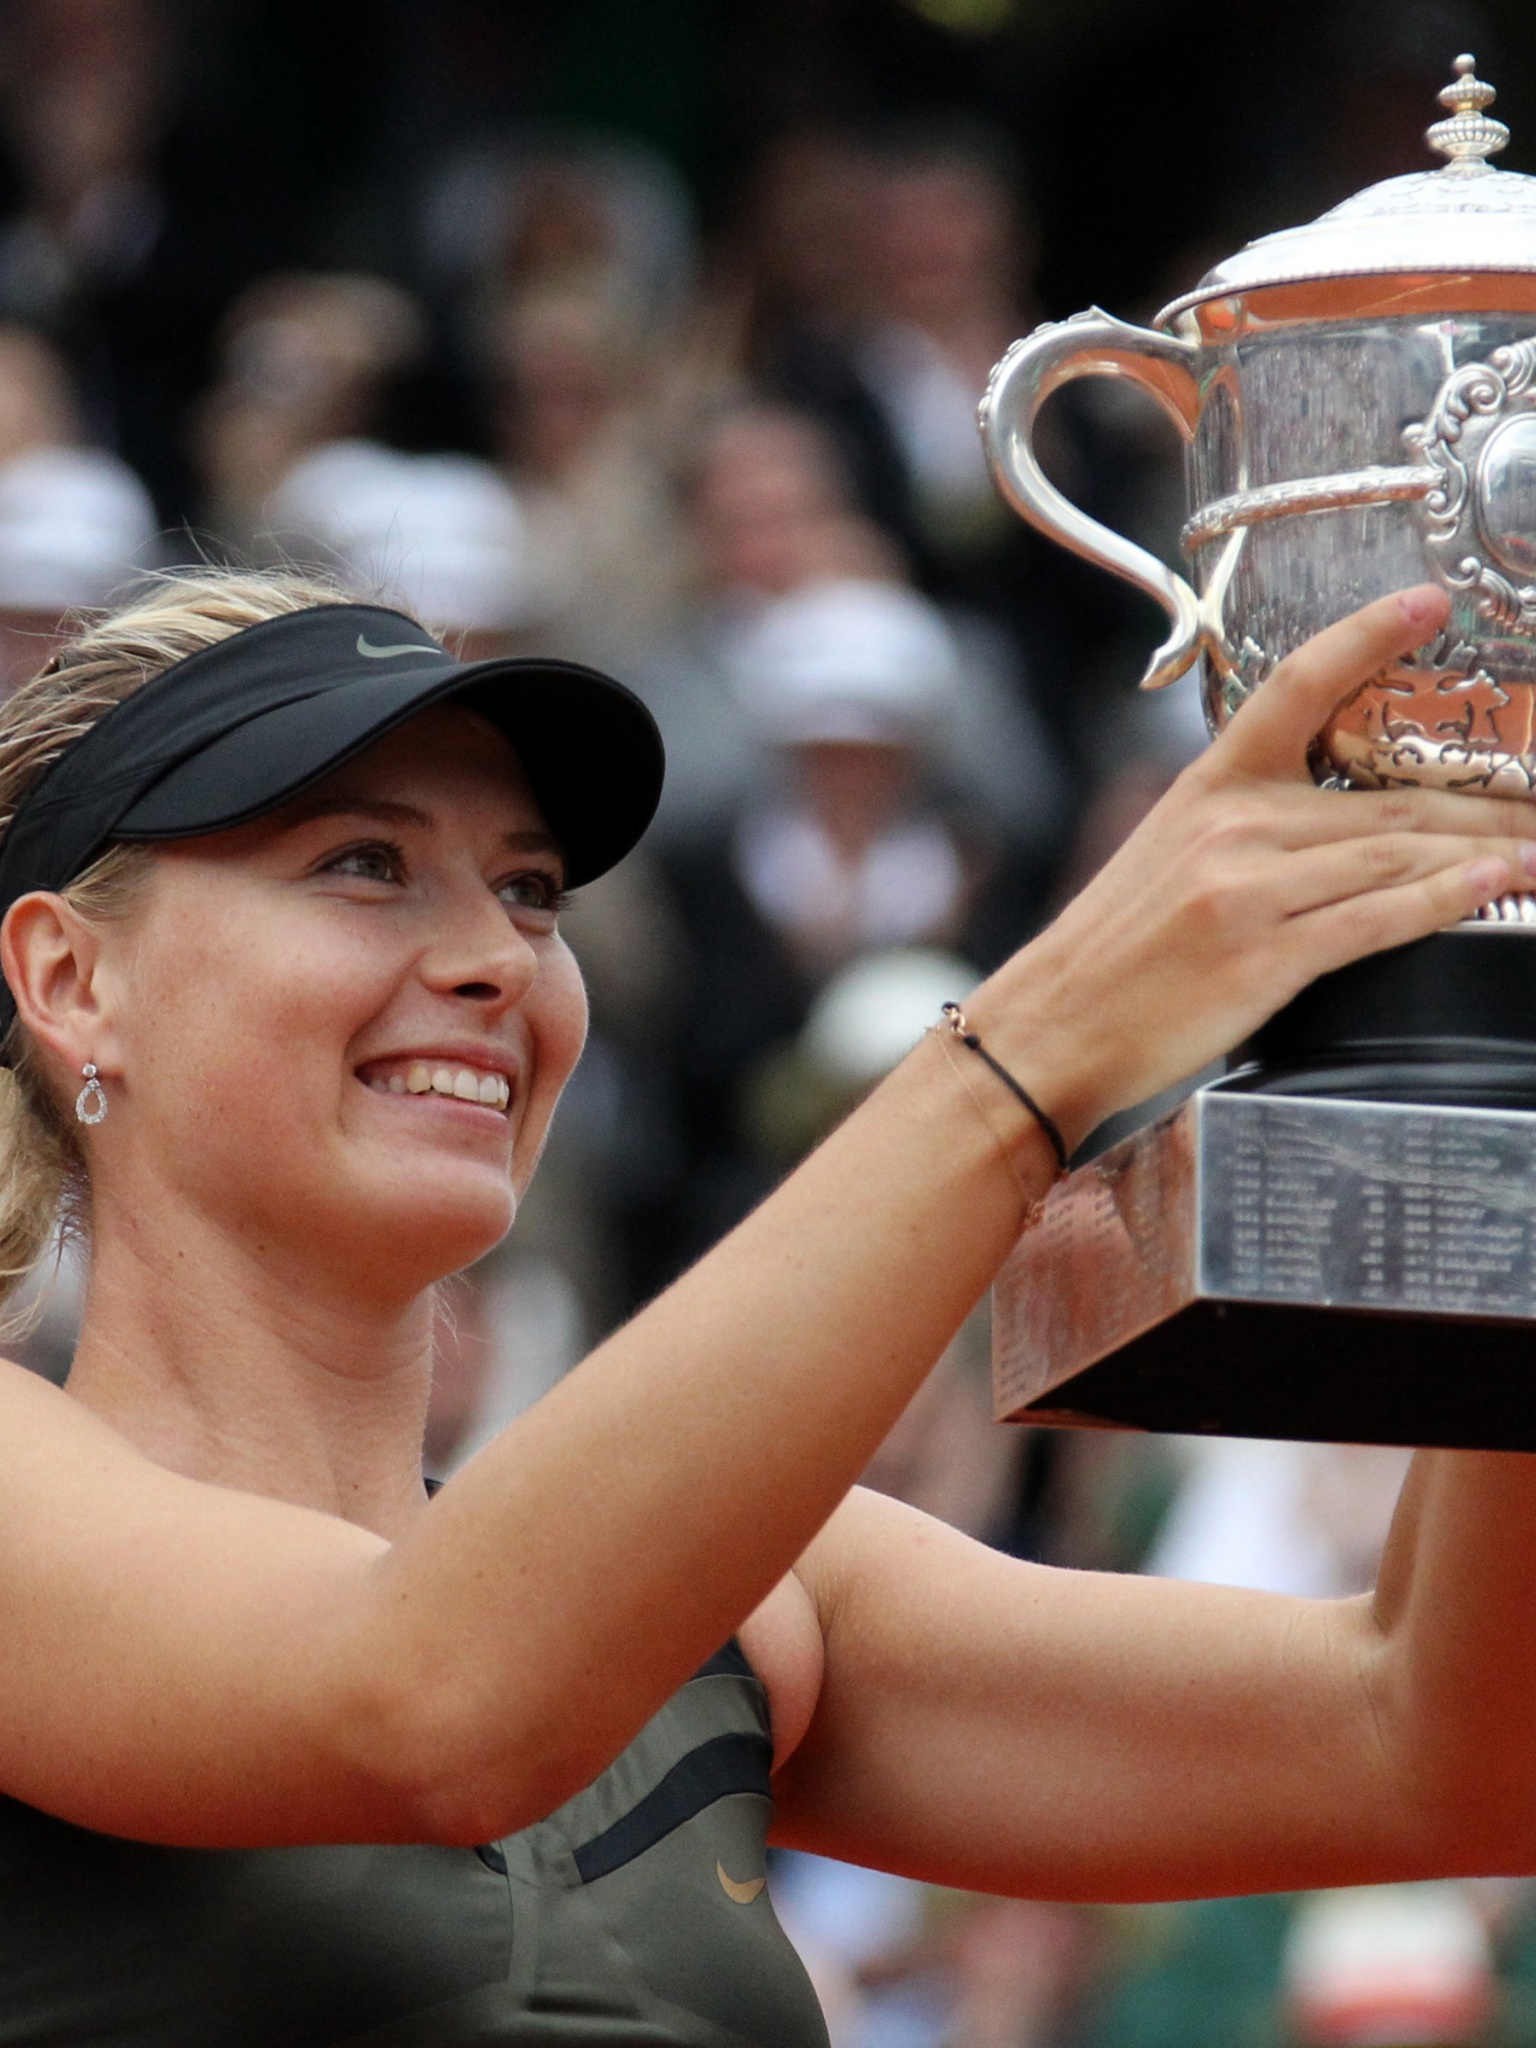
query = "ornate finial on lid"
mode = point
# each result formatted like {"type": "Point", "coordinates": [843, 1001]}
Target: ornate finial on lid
{"type": "Point", "coordinates": [1470, 134]}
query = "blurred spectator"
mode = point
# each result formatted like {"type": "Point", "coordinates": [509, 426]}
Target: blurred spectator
{"type": "Point", "coordinates": [1446, 1965]}
{"type": "Point", "coordinates": [865, 1019]}
{"type": "Point", "coordinates": [74, 522]}
{"type": "Point", "coordinates": [442, 535]}
{"type": "Point", "coordinates": [808, 240]}
{"type": "Point", "coordinates": [516, 214]}
{"type": "Point", "coordinates": [838, 667]}
{"type": "Point", "coordinates": [768, 513]}
{"type": "Point", "coordinates": [850, 682]}
{"type": "Point", "coordinates": [127, 219]}
{"type": "Point", "coordinates": [810, 213]}
{"type": "Point", "coordinates": [595, 215]}
{"type": "Point", "coordinates": [74, 525]}
{"type": "Point", "coordinates": [305, 360]}
{"type": "Point", "coordinates": [1389, 1963]}
{"type": "Point", "coordinates": [887, 337]}
{"type": "Point", "coordinates": [37, 402]}
{"type": "Point", "coordinates": [851, 844]}
{"type": "Point", "coordinates": [770, 507]}
{"type": "Point", "coordinates": [949, 266]}
{"type": "Point", "coordinates": [570, 423]}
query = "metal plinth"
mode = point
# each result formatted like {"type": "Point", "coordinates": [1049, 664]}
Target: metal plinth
{"type": "Point", "coordinates": [1286, 1266]}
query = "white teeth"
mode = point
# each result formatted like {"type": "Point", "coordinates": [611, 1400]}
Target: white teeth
{"type": "Point", "coordinates": [463, 1084]}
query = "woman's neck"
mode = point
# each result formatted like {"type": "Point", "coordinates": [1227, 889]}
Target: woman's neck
{"type": "Point", "coordinates": [234, 1371]}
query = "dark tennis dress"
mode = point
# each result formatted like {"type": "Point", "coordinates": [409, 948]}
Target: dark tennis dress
{"type": "Point", "coordinates": [635, 1917]}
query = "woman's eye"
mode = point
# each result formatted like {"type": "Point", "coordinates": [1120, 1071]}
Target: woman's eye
{"type": "Point", "coordinates": [368, 863]}
{"type": "Point", "coordinates": [534, 890]}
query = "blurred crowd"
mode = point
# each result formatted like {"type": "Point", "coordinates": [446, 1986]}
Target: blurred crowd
{"type": "Point", "coordinates": [742, 472]}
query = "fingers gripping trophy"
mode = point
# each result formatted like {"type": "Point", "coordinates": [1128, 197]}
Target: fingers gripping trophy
{"type": "Point", "coordinates": [1337, 1240]}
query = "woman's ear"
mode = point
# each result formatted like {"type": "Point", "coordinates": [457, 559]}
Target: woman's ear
{"type": "Point", "coordinates": [50, 957]}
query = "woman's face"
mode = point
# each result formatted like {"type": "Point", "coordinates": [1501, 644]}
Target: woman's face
{"type": "Point", "coordinates": [340, 1031]}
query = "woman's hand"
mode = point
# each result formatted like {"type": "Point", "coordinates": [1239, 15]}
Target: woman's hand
{"type": "Point", "coordinates": [1244, 884]}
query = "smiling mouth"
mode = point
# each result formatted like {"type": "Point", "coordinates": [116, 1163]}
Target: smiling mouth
{"type": "Point", "coordinates": [439, 1077]}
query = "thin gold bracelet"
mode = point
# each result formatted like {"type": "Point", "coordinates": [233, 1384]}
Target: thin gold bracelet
{"type": "Point", "coordinates": [956, 1023]}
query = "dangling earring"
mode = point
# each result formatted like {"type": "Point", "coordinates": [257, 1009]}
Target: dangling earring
{"type": "Point", "coordinates": [91, 1102]}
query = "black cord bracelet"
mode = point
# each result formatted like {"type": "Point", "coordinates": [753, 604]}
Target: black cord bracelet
{"type": "Point", "coordinates": [955, 1019]}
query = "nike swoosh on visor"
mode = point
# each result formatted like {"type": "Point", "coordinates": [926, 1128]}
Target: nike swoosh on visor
{"type": "Point", "coordinates": [410, 647]}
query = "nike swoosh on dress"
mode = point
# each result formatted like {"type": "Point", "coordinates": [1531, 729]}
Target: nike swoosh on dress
{"type": "Point", "coordinates": [734, 1888]}
{"type": "Point", "coordinates": [387, 653]}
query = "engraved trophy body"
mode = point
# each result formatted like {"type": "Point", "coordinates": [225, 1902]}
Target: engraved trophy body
{"type": "Point", "coordinates": [1338, 1240]}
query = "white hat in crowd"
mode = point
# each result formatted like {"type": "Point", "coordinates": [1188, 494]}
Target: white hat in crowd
{"type": "Point", "coordinates": [74, 522]}
{"type": "Point", "coordinates": [442, 534]}
{"type": "Point", "coordinates": [873, 1011]}
{"type": "Point", "coordinates": [1381, 1964]}
{"type": "Point", "coordinates": [847, 659]}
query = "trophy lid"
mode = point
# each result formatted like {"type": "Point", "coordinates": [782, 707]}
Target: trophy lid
{"type": "Point", "coordinates": [1464, 217]}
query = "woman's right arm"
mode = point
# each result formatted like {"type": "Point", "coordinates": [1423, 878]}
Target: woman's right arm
{"type": "Point", "coordinates": [187, 1663]}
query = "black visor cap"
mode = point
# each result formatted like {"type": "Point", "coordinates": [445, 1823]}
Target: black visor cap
{"type": "Point", "coordinates": [238, 728]}
{"type": "Point", "coordinates": [588, 746]}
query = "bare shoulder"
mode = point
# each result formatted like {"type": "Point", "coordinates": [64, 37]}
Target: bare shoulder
{"type": "Point", "coordinates": [44, 1433]}
{"type": "Point", "coordinates": [78, 1500]}
{"type": "Point", "coordinates": [80, 1484]}
{"type": "Point", "coordinates": [57, 1456]}
{"type": "Point", "coordinates": [116, 1572]}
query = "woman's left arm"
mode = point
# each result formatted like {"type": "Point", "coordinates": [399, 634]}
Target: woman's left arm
{"type": "Point", "coordinates": [1018, 1728]}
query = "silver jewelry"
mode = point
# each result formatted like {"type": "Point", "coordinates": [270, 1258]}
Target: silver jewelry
{"type": "Point", "coordinates": [91, 1102]}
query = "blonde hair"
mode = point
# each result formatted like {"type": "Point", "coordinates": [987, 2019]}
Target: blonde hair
{"type": "Point", "coordinates": [43, 1182]}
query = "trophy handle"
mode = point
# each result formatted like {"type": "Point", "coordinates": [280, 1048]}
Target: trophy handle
{"type": "Point", "coordinates": [1094, 344]}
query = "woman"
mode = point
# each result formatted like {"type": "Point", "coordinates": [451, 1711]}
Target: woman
{"type": "Point", "coordinates": [281, 887]}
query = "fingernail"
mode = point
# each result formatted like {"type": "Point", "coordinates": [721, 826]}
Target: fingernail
{"type": "Point", "coordinates": [1424, 606]}
{"type": "Point", "coordinates": [1528, 856]}
{"type": "Point", "coordinates": [1489, 877]}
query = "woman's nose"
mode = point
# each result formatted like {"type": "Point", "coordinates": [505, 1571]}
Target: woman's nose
{"type": "Point", "coordinates": [480, 955]}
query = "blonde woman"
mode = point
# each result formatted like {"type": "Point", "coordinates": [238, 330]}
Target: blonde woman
{"type": "Point", "coordinates": [291, 1754]}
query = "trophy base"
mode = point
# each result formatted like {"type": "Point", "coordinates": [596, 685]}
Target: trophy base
{"type": "Point", "coordinates": [1450, 1020]}
{"type": "Point", "coordinates": [1268, 1264]}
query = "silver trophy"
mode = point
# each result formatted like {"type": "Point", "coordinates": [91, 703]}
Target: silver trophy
{"type": "Point", "coordinates": [1338, 1240]}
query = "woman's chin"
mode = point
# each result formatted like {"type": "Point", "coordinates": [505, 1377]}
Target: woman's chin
{"type": "Point", "coordinates": [436, 1221]}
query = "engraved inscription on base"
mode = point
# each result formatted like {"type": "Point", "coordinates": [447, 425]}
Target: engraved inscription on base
{"type": "Point", "coordinates": [1360, 1205]}
{"type": "Point", "coordinates": [1374, 1207]}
